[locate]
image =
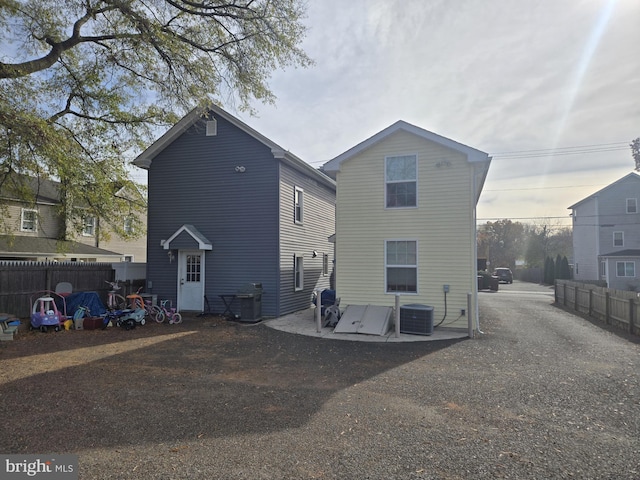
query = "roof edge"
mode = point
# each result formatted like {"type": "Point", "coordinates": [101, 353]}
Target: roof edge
{"type": "Point", "coordinates": [595, 194]}
{"type": "Point", "coordinates": [473, 155]}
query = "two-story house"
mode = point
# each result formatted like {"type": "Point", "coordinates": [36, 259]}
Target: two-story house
{"type": "Point", "coordinates": [31, 232]}
{"type": "Point", "coordinates": [230, 210]}
{"type": "Point", "coordinates": [606, 235]}
{"type": "Point", "coordinates": [406, 224]}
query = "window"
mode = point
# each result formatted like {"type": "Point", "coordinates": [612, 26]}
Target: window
{"type": "Point", "coordinates": [325, 264]}
{"type": "Point", "coordinates": [128, 225]}
{"type": "Point", "coordinates": [29, 220]}
{"type": "Point", "coordinates": [128, 258]}
{"type": "Point", "coordinates": [88, 226]}
{"type": "Point", "coordinates": [401, 266]}
{"type": "Point", "coordinates": [193, 268]}
{"type": "Point", "coordinates": [298, 202]}
{"type": "Point", "coordinates": [618, 239]}
{"type": "Point", "coordinates": [603, 269]}
{"type": "Point", "coordinates": [626, 269]}
{"type": "Point", "coordinates": [632, 205]}
{"type": "Point", "coordinates": [298, 269]}
{"type": "Point", "coordinates": [401, 181]}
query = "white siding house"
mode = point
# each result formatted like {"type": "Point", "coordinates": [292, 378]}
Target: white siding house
{"type": "Point", "coordinates": [606, 235]}
{"type": "Point", "coordinates": [405, 221]}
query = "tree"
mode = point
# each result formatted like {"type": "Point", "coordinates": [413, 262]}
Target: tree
{"type": "Point", "coordinates": [546, 239]}
{"type": "Point", "coordinates": [565, 270]}
{"type": "Point", "coordinates": [549, 271]}
{"type": "Point", "coordinates": [501, 242]}
{"type": "Point", "coordinates": [86, 83]}
{"type": "Point", "coordinates": [635, 152]}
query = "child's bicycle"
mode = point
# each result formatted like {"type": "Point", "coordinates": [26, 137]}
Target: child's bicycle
{"type": "Point", "coordinates": [152, 310]}
{"type": "Point", "coordinates": [115, 301]}
{"type": "Point", "coordinates": [170, 313]}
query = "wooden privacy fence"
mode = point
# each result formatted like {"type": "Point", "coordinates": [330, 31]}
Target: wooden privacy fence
{"type": "Point", "coordinates": [20, 281]}
{"type": "Point", "coordinates": [618, 308]}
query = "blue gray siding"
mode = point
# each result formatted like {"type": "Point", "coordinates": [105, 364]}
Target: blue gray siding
{"type": "Point", "coordinates": [194, 181]}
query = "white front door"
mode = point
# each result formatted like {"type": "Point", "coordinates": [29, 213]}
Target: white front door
{"type": "Point", "coordinates": [191, 280]}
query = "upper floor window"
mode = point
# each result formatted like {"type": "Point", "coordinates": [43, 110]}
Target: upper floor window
{"type": "Point", "coordinates": [632, 205]}
{"type": "Point", "coordinates": [401, 262]}
{"type": "Point", "coordinates": [89, 226]}
{"type": "Point", "coordinates": [298, 202]}
{"type": "Point", "coordinates": [128, 225]}
{"type": "Point", "coordinates": [618, 239]}
{"type": "Point", "coordinates": [401, 178]}
{"type": "Point", "coordinates": [29, 220]}
{"type": "Point", "coordinates": [626, 269]}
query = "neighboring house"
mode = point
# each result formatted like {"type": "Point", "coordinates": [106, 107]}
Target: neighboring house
{"type": "Point", "coordinates": [32, 232]}
{"type": "Point", "coordinates": [229, 207]}
{"type": "Point", "coordinates": [406, 202]}
{"type": "Point", "coordinates": [606, 235]}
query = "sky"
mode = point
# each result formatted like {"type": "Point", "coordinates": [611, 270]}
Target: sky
{"type": "Point", "coordinates": [516, 79]}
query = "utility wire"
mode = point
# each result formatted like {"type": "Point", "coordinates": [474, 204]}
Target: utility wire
{"type": "Point", "coordinates": [554, 152]}
{"type": "Point", "coordinates": [547, 152]}
{"type": "Point", "coordinates": [537, 188]}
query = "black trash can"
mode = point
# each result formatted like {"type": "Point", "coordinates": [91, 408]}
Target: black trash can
{"type": "Point", "coordinates": [250, 296]}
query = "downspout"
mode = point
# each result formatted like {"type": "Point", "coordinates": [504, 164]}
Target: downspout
{"type": "Point", "coordinates": [476, 306]}
{"type": "Point", "coordinates": [597, 228]}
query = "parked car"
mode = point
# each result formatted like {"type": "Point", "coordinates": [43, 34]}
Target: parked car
{"type": "Point", "coordinates": [504, 275]}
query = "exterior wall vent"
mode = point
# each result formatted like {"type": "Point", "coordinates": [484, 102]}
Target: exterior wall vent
{"type": "Point", "coordinates": [212, 128]}
{"type": "Point", "coordinates": [416, 319]}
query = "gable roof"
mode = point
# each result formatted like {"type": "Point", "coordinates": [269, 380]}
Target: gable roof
{"type": "Point", "coordinates": [193, 232]}
{"type": "Point", "coordinates": [473, 155]}
{"type": "Point", "coordinates": [623, 253]}
{"type": "Point", "coordinates": [46, 191]}
{"type": "Point", "coordinates": [145, 159]}
{"type": "Point", "coordinates": [49, 247]}
{"type": "Point", "coordinates": [633, 176]}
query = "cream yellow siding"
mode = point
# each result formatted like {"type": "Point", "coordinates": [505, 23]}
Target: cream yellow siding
{"type": "Point", "coordinates": [442, 224]}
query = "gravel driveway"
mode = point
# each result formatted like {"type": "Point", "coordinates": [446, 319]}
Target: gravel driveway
{"type": "Point", "coordinates": [542, 394]}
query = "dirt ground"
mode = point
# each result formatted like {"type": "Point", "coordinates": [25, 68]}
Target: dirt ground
{"type": "Point", "coordinates": [161, 382]}
{"type": "Point", "coordinates": [540, 394]}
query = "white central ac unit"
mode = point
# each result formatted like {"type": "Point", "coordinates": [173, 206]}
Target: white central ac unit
{"type": "Point", "coordinates": [416, 319]}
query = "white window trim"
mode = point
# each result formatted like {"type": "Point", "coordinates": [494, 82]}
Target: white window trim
{"type": "Point", "coordinates": [35, 220]}
{"type": "Point", "coordinates": [625, 269]}
{"type": "Point", "coordinates": [298, 260]}
{"type": "Point", "coordinates": [614, 239]}
{"type": "Point", "coordinates": [325, 264]}
{"type": "Point", "coordinates": [386, 182]}
{"type": "Point", "coordinates": [128, 226]}
{"type": "Point", "coordinates": [298, 193]}
{"type": "Point", "coordinates": [85, 223]}
{"type": "Point", "coordinates": [417, 266]}
{"type": "Point", "coordinates": [635, 202]}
